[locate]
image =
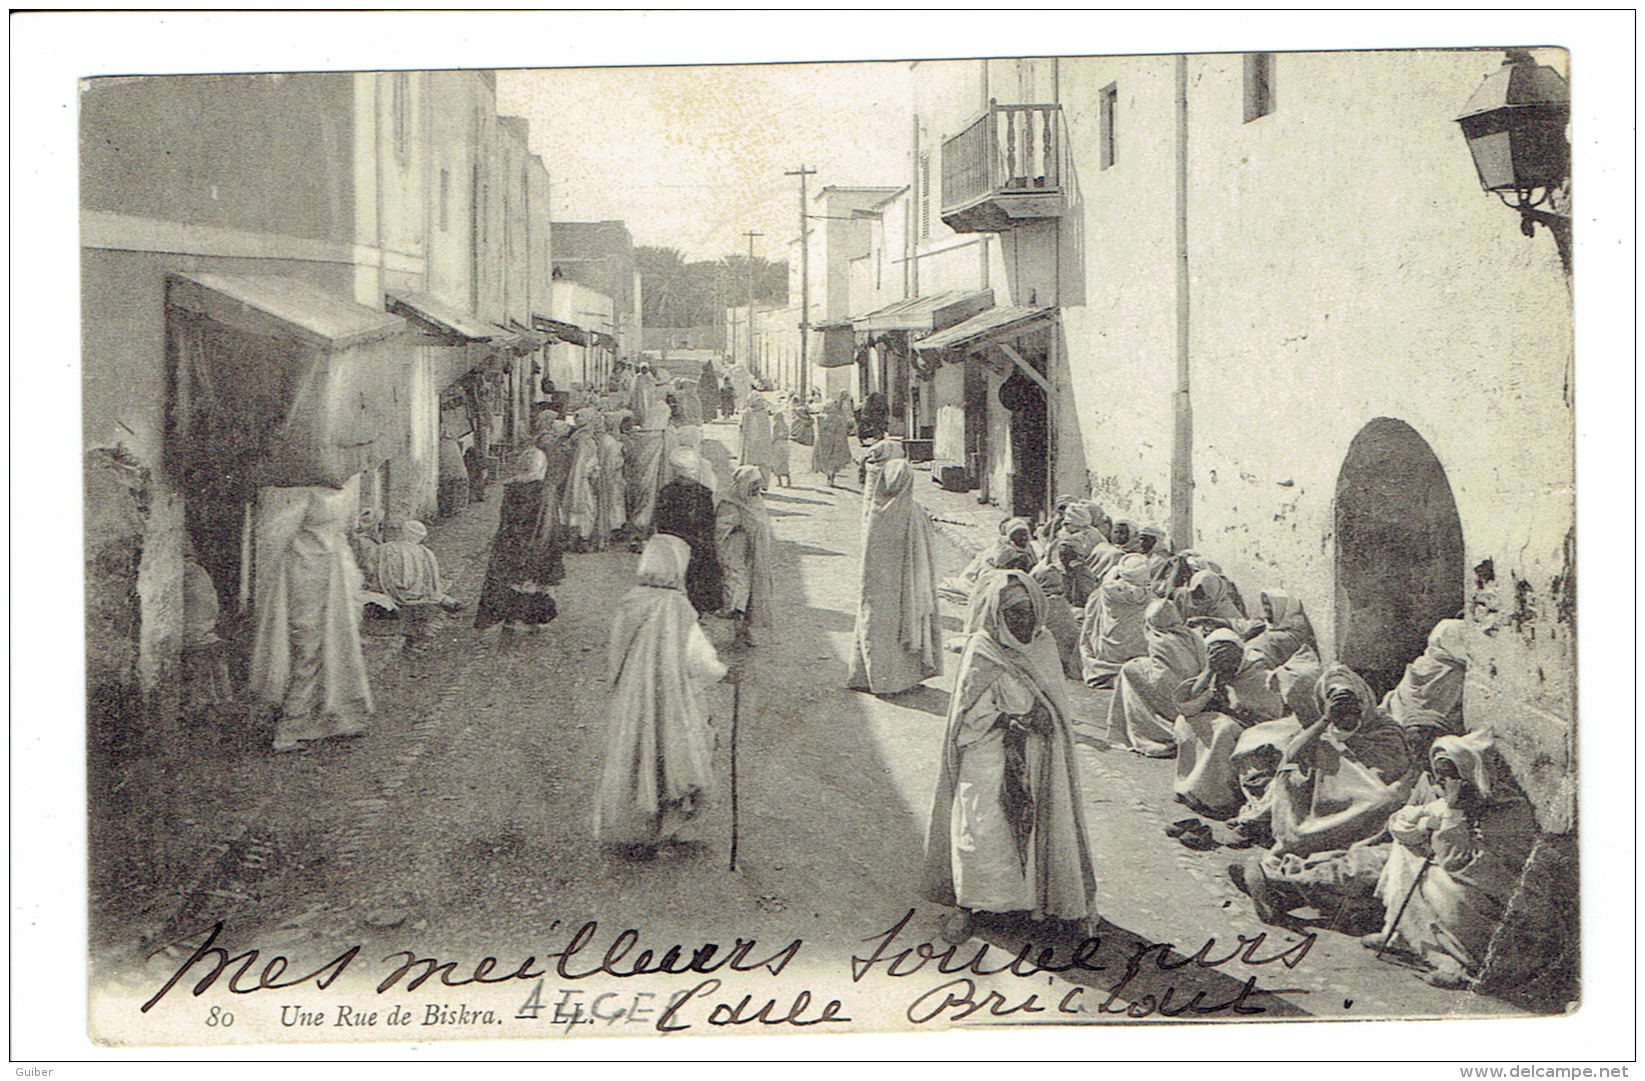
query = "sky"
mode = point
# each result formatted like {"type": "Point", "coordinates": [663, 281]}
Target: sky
{"type": "Point", "coordinates": [692, 157]}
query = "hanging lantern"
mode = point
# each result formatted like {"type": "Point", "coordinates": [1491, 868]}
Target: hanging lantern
{"type": "Point", "coordinates": [1515, 126]}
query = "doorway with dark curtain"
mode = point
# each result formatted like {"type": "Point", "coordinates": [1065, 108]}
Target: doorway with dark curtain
{"type": "Point", "coordinates": [1026, 401]}
{"type": "Point", "coordinates": [1399, 554]}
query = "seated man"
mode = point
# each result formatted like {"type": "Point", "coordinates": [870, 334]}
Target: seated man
{"type": "Point", "coordinates": [410, 576]}
{"type": "Point", "coordinates": [1337, 782]}
{"type": "Point", "coordinates": [1013, 551]}
{"type": "Point", "coordinates": [1454, 870]}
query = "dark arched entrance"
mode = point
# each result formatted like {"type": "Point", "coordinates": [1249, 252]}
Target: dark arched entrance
{"type": "Point", "coordinates": [1399, 555]}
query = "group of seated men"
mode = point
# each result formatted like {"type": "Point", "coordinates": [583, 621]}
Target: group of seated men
{"type": "Point", "coordinates": [1387, 817]}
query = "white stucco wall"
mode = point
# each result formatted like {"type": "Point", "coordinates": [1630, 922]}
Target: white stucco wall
{"type": "Point", "coordinates": [1344, 266]}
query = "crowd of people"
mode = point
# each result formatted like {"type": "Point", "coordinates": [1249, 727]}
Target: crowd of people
{"type": "Point", "coordinates": [1391, 817]}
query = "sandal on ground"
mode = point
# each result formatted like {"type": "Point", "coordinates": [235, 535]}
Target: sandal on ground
{"type": "Point", "coordinates": [1200, 840]}
{"type": "Point", "coordinates": [1181, 826]}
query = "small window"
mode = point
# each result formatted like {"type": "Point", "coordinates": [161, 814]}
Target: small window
{"type": "Point", "coordinates": [1259, 85]}
{"type": "Point", "coordinates": [1107, 101]}
{"type": "Point", "coordinates": [445, 200]}
{"type": "Point", "coordinates": [402, 113]}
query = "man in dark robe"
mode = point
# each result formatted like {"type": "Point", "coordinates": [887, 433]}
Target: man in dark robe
{"type": "Point", "coordinates": [709, 390]}
{"type": "Point", "coordinates": [685, 509]}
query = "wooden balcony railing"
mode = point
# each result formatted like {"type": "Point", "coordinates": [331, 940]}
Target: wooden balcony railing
{"type": "Point", "coordinates": [1010, 149]}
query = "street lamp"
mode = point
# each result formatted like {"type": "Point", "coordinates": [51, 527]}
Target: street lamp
{"type": "Point", "coordinates": [1515, 127]}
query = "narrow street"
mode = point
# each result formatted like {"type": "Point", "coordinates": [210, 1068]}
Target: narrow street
{"type": "Point", "coordinates": [460, 825]}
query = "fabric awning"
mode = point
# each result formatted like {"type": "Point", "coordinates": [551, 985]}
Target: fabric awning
{"type": "Point", "coordinates": [993, 325]}
{"type": "Point", "coordinates": [925, 313]}
{"type": "Point", "coordinates": [281, 383]}
{"type": "Point", "coordinates": [281, 308]}
{"type": "Point", "coordinates": [604, 340]}
{"type": "Point", "coordinates": [530, 340]}
{"type": "Point", "coordinates": [439, 320]}
{"type": "Point", "coordinates": [560, 331]}
{"type": "Point", "coordinates": [839, 347]}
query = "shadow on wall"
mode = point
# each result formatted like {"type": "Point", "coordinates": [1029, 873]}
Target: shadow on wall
{"type": "Point", "coordinates": [1399, 552]}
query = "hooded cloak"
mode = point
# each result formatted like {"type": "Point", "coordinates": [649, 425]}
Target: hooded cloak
{"type": "Point", "coordinates": [659, 750]}
{"type": "Point", "coordinates": [898, 637]}
{"type": "Point", "coordinates": [1007, 831]}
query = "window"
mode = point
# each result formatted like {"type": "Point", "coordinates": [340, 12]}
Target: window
{"type": "Point", "coordinates": [445, 200]}
{"type": "Point", "coordinates": [402, 113]}
{"type": "Point", "coordinates": [1107, 99]}
{"type": "Point", "coordinates": [925, 196]}
{"type": "Point", "coordinates": [1259, 85]}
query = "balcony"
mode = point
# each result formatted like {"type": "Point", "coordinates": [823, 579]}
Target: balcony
{"type": "Point", "coordinates": [1010, 165]}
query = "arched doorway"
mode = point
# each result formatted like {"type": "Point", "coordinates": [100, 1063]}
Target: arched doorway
{"type": "Point", "coordinates": [1399, 555]}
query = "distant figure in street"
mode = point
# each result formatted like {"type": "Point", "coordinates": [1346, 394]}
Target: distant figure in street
{"type": "Point", "coordinates": [451, 496]}
{"type": "Point", "coordinates": [410, 575]}
{"type": "Point", "coordinates": [1142, 714]}
{"type": "Point", "coordinates": [728, 398]}
{"type": "Point", "coordinates": [647, 452]}
{"type": "Point", "coordinates": [306, 654]}
{"type": "Point", "coordinates": [525, 555]}
{"type": "Point", "coordinates": [742, 382]}
{"type": "Point", "coordinates": [659, 748]}
{"type": "Point", "coordinates": [688, 403]}
{"type": "Point", "coordinates": [833, 450]}
{"type": "Point", "coordinates": [364, 540]}
{"type": "Point", "coordinates": [898, 636]}
{"type": "Point", "coordinates": [801, 428]}
{"type": "Point", "coordinates": [206, 681]}
{"type": "Point", "coordinates": [685, 509]}
{"type": "Point", "coordinates": [708, 387]}
{"type": "Point", "coordinates": [580, 507]}
{"type": "Point", "coordinates": [754, 446]}
{"type": "Point", "coordinates": [747, 546]}
{"type": "Point", "coordinates": [474, 461]}
{"type": "Point", "coordinates": [876, 414]}
{"type": "Point", "coordinates": [1007, 830]}
{"type": "Point", "coordinates": [779, 448]}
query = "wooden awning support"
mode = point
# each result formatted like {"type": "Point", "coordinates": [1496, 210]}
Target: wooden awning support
{"type": "Point", "coordinates": [1016, 358]}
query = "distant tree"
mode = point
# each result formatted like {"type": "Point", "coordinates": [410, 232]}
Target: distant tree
{"type": "Point", "coordinates": [676, 293]}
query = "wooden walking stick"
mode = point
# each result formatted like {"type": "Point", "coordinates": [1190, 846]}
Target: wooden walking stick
{"type": "Point", "coordinates": [736, 712]}
{"type": "Point", "coordinates": [1410, 893]}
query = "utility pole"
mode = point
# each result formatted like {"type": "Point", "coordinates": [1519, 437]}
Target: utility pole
{"type": "Point", "coordinates": [805, 283]}
{"type": "Point", "coordinates": [751, 366]}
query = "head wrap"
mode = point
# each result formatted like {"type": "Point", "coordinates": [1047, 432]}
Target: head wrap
{"type": "Point", "coordinates": [663, 562]}
{"type": "Point", "coordinates": [1015, 525]}
{"type": "Point", "coordinates": [746, 484]}
{"type": "Point", "coordinates": [884, 451]}
{"type": "Point", "coordinates": [987, 609]}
